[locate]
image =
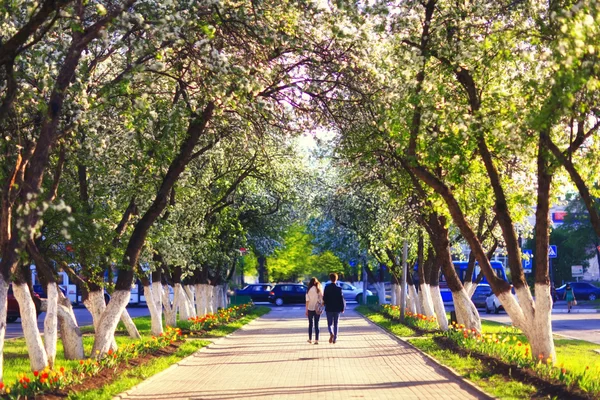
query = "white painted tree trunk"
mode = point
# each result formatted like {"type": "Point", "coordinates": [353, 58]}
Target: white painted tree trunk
{"type": "Point", "coordinates": [105, 332]}
{"type": "Point", "coordinates": [438, 307]}
{"type": "Point", "coordinates": [200, 309]}
{"type": "Point", "coordinates": [170, 307]}
{"type": "Point", "coordinates": [399, 294]}
{"type": "Point", "coordinates": [466, 312]}
{"type": "Point", "coordinates": [412, 293]}
{"type": "Point", "coordinates": [156, 327]}
{"type": "Point", "coordinates": [157, 289]}
{"type": "Point", "coordinates": [380, 286]}
{"type": "Point", "coordinates": [224, 293]}
{"type": "Point", "coordinates": [51, 323]}
{"type": "Point", "coordinates": [190, 291]}
{"type": "Point", "coordinates": [69, 330]}
{"type": "Point", "coordinates": [3, 314]}
{"type": "Point", "coordinates": [411, 304]}
{"type": "Point", "coordinates": [533, 318]}
{"type": "Point", "coordinates": [37, 353]}
{"type": "Point", "coordinates": [132, 330]}
{"type": "Point", "coordinates": [394, 300]}
{"type": "Point", "coordinates": [181, 301]}
{"type": "Point", "coordinates": [95, 305]}
{"type": "Point", "coordinates": [209, 299]}
{"type": "Point", "coordinates": [426, 300]}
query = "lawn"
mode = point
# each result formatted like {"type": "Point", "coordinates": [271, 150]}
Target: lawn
{"type": "Point", "coordinates": [16, 361]}
{"type": "Point", "coordinates": [574, 355]}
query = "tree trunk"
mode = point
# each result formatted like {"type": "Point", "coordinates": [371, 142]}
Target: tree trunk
{"type": "Point", "coordinates": [156, 327]}
{"type": "Point", "coordinates": [438, 306]}
{"type": "Point", "coordinates": [394, 300]}
{"type": "Point", "coordinates": [69, 330]}
{"type": "Point", "coordinates": [413, 300]}
{"type": "Point", "coordinates": [426, 300]}
{"type": "Point", "coordinates": [132, 330]}
{"type": "Point", "coordinates": [191, 295]}
{"type": "Point", "coordinates": [105, 331]}
{"type": "Point", "coordinates": [51, 323]}
{"type": "Point", "coordinates": [466, 313]}
{"type": "Point", "coordinates": [200, 304]}
{"type": "Point", "coordinates": [35, 348]}
{"type": "Point", "coordinates": [209, 299]}
{"type": "Point", "coordinates": [170, 307]}
{"type": "Point", "coordinates": [225, 297]}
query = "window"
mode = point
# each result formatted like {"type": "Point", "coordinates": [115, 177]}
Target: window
{"type": "Point", "coordinates": [286, 288]}
{"type": "Point", "coordinates": [345, 286]}
{"type": "Point", "coordinates": [257, 289]}
{"type": "Point", "coordinates": [300, 289]}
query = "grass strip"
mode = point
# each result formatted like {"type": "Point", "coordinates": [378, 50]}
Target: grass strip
{"type": "Point", "coordinates": [474, 370]}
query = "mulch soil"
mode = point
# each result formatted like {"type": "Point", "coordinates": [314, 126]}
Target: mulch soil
{"type": "Point", "coordinates": [545, 389]}
{"type": "Point", "coordinates": [108, 375]}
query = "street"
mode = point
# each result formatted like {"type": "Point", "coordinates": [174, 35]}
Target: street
{"type": "Point", "coordinates": [577, 326]}
{"type": "Point", "coordinates": [83, 318]}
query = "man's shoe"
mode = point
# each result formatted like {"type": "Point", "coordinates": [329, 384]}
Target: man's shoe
{"type": "Point", "coordinates": [330, 338]}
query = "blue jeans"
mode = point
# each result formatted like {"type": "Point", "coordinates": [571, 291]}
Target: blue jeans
{"type": "Point", "coordinates": [313, 318]}
{"type": "Point", "coordinates": [332, 319]}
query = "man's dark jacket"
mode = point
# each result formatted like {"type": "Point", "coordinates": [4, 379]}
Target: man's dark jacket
{"type": "Point", "coordinates": [333, 298]}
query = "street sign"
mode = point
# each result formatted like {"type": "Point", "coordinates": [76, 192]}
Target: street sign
{"type": "Point", "coordinates": [552, 251]}
{"type": "Point", "coordinates": [577, 271]}
{"type": "Point", "coordinates": [527, 260]}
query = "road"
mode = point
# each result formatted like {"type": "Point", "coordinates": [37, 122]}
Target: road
{"type": "Point", "coordinates": [577, 326]}
{"type": "Point", "coordinates": [83, 318]}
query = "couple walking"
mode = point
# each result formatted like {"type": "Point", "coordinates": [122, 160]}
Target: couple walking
{"type": "Point", "coordinates": [333, 301]}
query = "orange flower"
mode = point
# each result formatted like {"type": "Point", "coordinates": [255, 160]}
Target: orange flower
{"type": "Point", "coordinates": [42, 381]}
{"type": "Point", "coordinates": [36, 373]}
{"type": "Point", "coordinates": [45, 375]}
{"type": "Point", "coordinates": [62, 370]}
{"type": "Point", "coordinates": [1, 385]}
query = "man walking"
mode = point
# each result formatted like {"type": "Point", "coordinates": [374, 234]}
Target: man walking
{"type": "Point", "coordinates": [334, 305]}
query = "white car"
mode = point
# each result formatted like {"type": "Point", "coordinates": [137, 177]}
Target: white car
{"type": "Point", "coordinates": [350, 292]}
{"type": "Point", "coordinates": [492, 303]}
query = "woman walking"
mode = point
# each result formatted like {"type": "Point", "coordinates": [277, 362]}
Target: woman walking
{"type": "Point", "coordinates": [570, 297]}
{"type": "Point", "coordinates": [314, 298]}
{"type": "Point", "coordinates": [333, 299]}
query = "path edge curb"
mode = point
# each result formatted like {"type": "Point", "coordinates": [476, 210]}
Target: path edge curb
{"type": "Point", "coordinates": [474, 389]}
{"type": "Point", "coordinates": [126, 393]}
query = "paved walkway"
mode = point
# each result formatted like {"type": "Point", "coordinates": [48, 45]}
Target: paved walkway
{"type": "Point", "coordinates": [270, 359]}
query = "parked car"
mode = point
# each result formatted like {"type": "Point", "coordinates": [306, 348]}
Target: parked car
{"type": "Point", "coordinates": [482, 292]}
{"type": "Point", "coordinates": [39, 289]}
{"type": "Point", "coordinates": [256, 291]}
{"type": "Point", "coordinates": [350, 292]}
{"type": "Point", "coordinates": [12, 311]}
{"type": "Point", "coordinates": [288, 293]}
{"type": "Point", "coordinates": [492, 303]}
{"type": "Point", "coordinates": [581, 290]}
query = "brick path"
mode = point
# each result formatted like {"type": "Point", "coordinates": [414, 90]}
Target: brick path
{"type": "Point", "coordinates": [270, 359]}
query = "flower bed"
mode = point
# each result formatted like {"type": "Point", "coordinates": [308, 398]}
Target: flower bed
{"type": "Point", "coordinates": [57, 381]}
{"type": "Point", "coordinates": [211, 321]}
{"type": "Point", "coordinates": [419, 322]}
{"type": "Point", "coordinates": [54, 380]}
{"type": "Point", "coordinates": [511, 348]}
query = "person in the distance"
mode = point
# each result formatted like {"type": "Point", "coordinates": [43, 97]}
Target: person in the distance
{"type": "Point", "coordinates": [334, 306]}
{"type": "Point", "coordinates": [314, 298]}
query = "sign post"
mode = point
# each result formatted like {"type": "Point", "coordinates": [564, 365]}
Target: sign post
{"type": "Point", "coordinates": [552, 253]}
{"type": "Point", "coordinates": [403, 291]}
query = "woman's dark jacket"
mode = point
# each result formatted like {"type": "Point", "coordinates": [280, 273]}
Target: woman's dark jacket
{"type": "Point", "coordinates": [333, 298]}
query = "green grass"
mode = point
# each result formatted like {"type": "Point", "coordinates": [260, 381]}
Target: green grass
{"type": "Point", "coordinates": [473, 369]}
{"type": "Point", "coordinates": [16, 360]}
{"type": "Point", "coordinates": [390, 326]}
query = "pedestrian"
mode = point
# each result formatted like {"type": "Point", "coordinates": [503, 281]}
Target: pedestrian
{"type": "Point", "coordinates": [334, 306]}
{"type": "Point", "coordinates": [314, 299]}
{"type": "Point", "coordinates": [570, 297]}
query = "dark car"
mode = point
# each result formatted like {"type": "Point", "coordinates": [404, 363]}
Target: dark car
{"type": "Point", "coordinates": [288, 293]}
{"type": "Point", "coordinates": [482, 292]}
{"type": "Point", "coordinates": [39, 289]}
{"type": "Point", "coordinates": [581, 290]}
{"type": "Point", "coordinates": [256, 291]}
{"type": "Point", "coordinates": [12, 310]}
